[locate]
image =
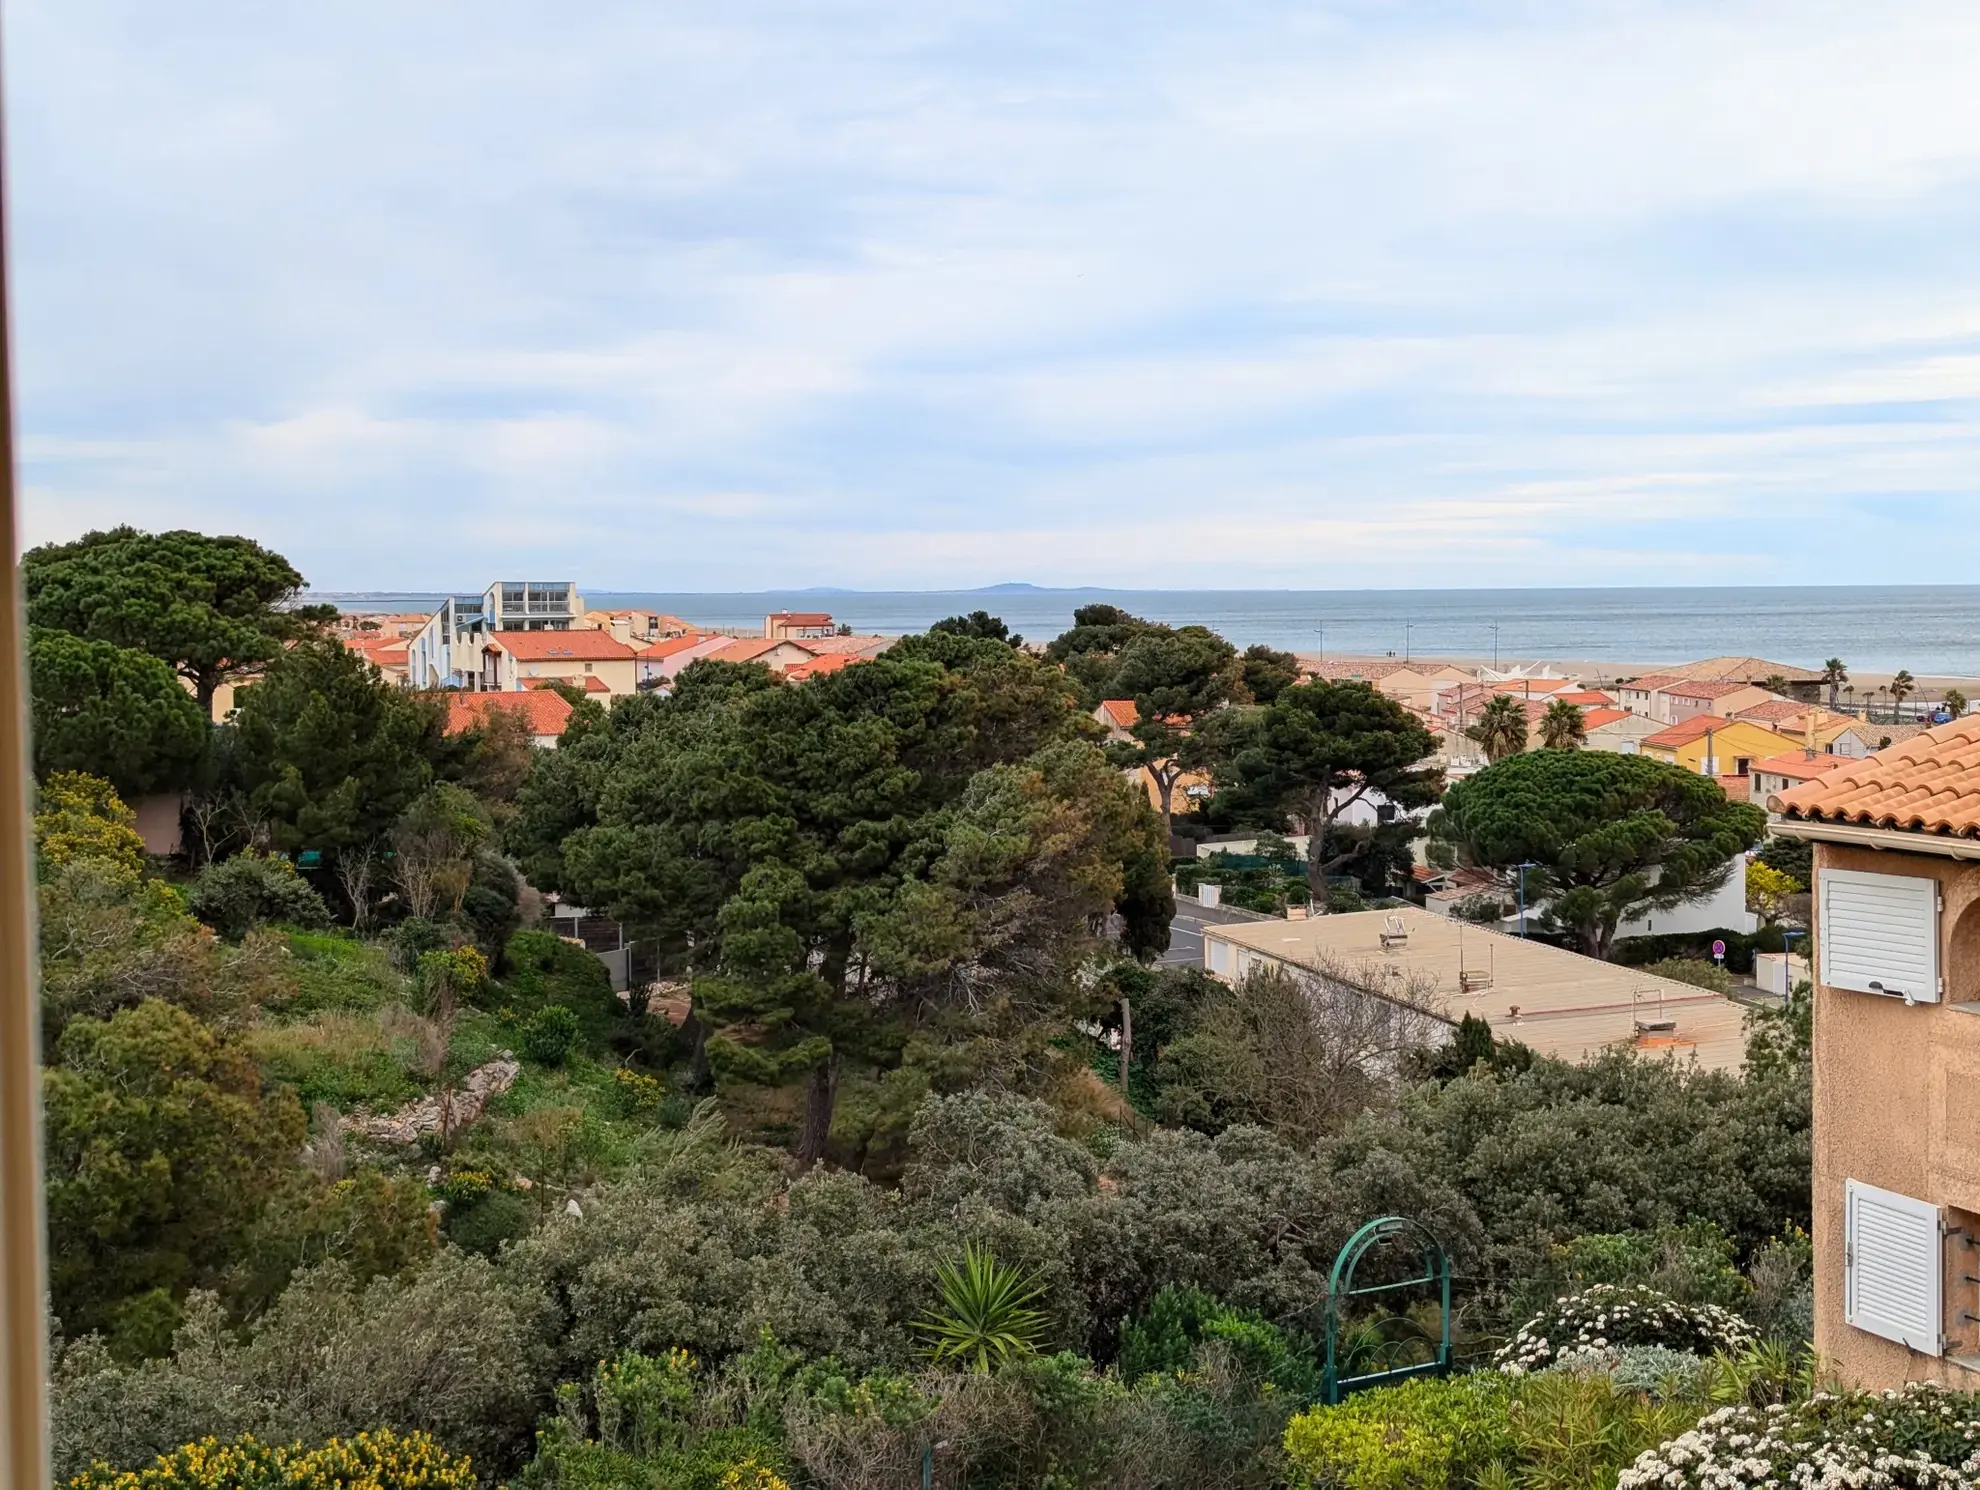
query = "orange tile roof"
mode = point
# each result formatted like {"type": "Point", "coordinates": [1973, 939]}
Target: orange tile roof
{"type": "Point", "coordinates": [1745, 670]}
{"type": "Point", "coordinates": [1694, 728]}
{"type": "Point", "coordinates": [1652, 682]}
{"type": "Point", "coordinates": [825, 645]}
{"type": "Point", "coordinates": [1691, 688]}
{"type": "Point", "coordinates": [553, 646]}
{"type": "Point", "coordinates": [749, 649]}
{"type": "Point", "coordinates": [831, 662]}
{"type": "Point", "coordinates": [802, 617]}
{"type": "Point", "coordinates": [668, 646]}
{"type": "Point", "coordinates": [1536, 685]}
{"type": "Point", "coordinates": [1792, 711]}
{"type": "Point", "coordinates": [1800, 766]}
{"type": "Point", "coordinates": [1351, 669]}
{"type": "Point", "coordinates": [1596, 718]}
{"type": "Point", "coordinates": [546, 712]}
{"type": "Point", "coordinates": [1121, 712]}
{"type": "Point", "coordinates": [1588, 698]}
{"type": "Point", "coordinates": [1928, 784]}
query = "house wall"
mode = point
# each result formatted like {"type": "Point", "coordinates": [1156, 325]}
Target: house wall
{"type": "Point", "coordinates": [1894, 1086]}
{"type": "Point", "coordinates": [1725, 909]}
{"type": "Point", "coordinates": [619, 674]}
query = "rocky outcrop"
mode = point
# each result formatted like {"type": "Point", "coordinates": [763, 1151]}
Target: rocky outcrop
{"type": "Point", "coordinates": [444, 1112]}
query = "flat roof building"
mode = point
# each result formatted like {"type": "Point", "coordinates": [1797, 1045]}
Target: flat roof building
{"type": "Point", "coordinates": [1558, 1002]}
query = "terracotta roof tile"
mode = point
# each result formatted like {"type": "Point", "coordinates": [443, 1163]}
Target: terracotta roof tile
{"type": "Point", "coordinates": [1588, 698]}
{"type": "Point", "coordinates": [546, 712]}
{"type": "Point", "coordinates": [1353, 669]}
{"type": "Point", "coordinates": [1692, 688]}
{"type": "Point", "coordinates": [1121, 712]}
{"type": "Point", "coordinates": [547, 646]}
{"type": "Point", "coordinates": [831, 662]}
{"type": "Point", "coordinates": [1800, 766]}
{"type": "Point", "coordinates": [1928, 784]}
{"type": "Point", "coordinates": [668, 646]}
{"type": "Point", "coordinates": [1781, 711]}
{"type": "Point", "coordinates": [1745, 670]}
{"type": "Point", "coordinates": [1597, 718]}
{"type": "Point", "coordinates": [1695, 728]}
{"type": "Point", "coordinates": [1653, 682]}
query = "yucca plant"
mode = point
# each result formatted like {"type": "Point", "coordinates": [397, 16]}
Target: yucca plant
{"type": "Point", "coordinates": [987, 1316]}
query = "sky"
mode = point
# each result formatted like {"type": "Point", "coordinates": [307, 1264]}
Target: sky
{"type": "Point", "coordinates": [939, 293]}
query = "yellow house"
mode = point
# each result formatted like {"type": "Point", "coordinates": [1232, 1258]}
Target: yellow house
{"type": "Point", "coordinates": [1712, 746]}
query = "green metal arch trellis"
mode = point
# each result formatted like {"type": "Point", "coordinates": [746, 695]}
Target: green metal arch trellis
{"type": "Point", "coordinates": [1340, 1285]}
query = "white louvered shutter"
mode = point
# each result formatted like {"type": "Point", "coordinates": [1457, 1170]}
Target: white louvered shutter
{"type": "Point", "coordinates": [1880, 929]}
{"type": "Point", "coordinates": [1220, 955]}
{"type": "Point", "coordinates": [1892, 1268]}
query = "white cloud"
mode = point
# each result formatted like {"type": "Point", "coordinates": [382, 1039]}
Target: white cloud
{"type": "Point", "coordinates": [869, 293]}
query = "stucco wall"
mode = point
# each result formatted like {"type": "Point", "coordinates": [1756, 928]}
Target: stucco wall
{"type": "Point", "coordinates": [1897, 1104]}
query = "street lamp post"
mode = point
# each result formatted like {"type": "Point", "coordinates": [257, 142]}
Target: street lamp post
{"type": "Point", "coordinates": [1408, 626]}
{"type": "Point", "coordinates": [1529, 864]}
{"type": "Point", "coordinates": [1495, 646]}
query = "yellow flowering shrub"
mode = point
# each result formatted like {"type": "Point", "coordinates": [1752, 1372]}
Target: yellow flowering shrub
{"type": "Point", "coordinates": [749, 1475]}
{"type": "Point", "coordinates": [382, 1460]}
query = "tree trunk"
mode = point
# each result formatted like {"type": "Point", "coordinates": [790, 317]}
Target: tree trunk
{"type": "Point", "coordinates": [1165, 783]}
{"type": "Point", "coordinates": [697, 1033]}
{"type": "Point", "coordinates": [820, 1099]}
{"type": "Point", "coordinates": [1127, 1044]}
{"type": "Point", "coordinates": [205, 685]}
{"type": "Point", "coordinates": [1317, 824]}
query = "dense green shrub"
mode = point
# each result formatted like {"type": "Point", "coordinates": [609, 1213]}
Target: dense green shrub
{"type": "Point", "coordinates": [454, 1348]}
{"type": "Point", "coordinates": [1427, 1434]}
{"type": "Point", "coordinates": [1168, 1336]}
{"type": "Point", "coordinates": [250, 889]}
{"type": "Point", "coordinates": [549, 1034]}
{"type": "Point", "coordinates": [1693, 1263]}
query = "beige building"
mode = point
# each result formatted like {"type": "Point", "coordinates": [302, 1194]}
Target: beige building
{"type": "Point", "coordinates": [1414, 683]}
{"type": "Point", "coordinates": [787, 625]}
{"type": "Point", "coordinates": [1682, 701]}
{"type": "Point", "coordinates": [595, 661]}
{"type": "Point", "coordinates": [1897, 1057]}
{"type": "Point", "coordinates": [1616, 730]}
{"type": "Point", "coordinates": [1559, 1003]}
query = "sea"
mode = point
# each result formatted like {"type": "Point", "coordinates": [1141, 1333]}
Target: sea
{"type": "Point", "coordinates": [1933, 630]}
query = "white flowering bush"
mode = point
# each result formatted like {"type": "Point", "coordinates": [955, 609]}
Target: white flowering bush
{"type": "Point", "coordinates": [1921, 1438]}
{"type": "Point", "coordinates": [1611, 1316]}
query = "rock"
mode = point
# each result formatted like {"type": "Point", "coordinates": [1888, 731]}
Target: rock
{"type": "Point", "coordinates": [571, 1208]}
{"type": "Point", "coordinates": [450, 1111]}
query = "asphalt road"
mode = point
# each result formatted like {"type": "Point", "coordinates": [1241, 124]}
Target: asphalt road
{"type": "Point", "coordinates": [1186, 930]}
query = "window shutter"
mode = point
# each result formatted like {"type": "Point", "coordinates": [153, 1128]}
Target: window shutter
{"type": "Point", "coordinates": [1892, 1267]}
{"type": "Point", "coordinates": [1220, 955]}
{"type": "Point", "coordinates": [1881, 929]}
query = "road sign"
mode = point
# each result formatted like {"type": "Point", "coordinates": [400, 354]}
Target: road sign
{"type": "Point", "coordinates": [1718, 951]}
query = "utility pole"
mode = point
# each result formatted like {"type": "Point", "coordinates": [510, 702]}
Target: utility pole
{"type": "Point", "coordinates": [1495, 646]}
{"type": "Point", "coordinates": [1408, 626]}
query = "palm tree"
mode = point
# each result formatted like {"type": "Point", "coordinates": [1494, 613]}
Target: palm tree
{"type": "Point", "coordinates": [1501, 727]}
{"type": "Point", "coordinates": [1902, 686]}
{"type": "Point", "coordinates": [1881, 691]}
{"type": "Point", "coordinates": [1777, 683]}
{"type": "Point", "coordinates": [1835, 675]}
{"type": "Point", "coordinates": [1561, 727]}
{"type": "Point", "coordinates": [1955, 702]}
